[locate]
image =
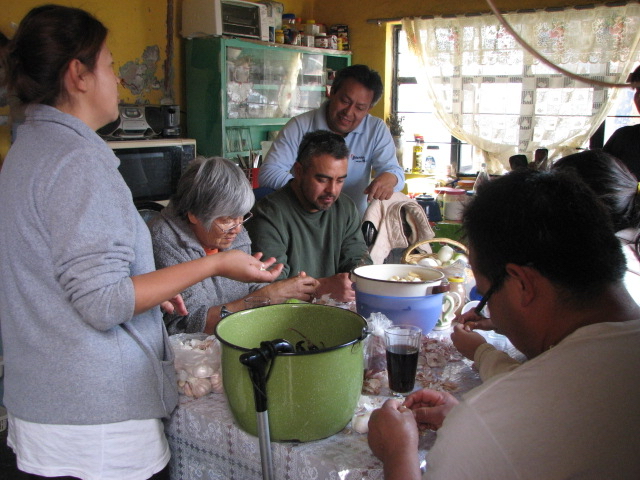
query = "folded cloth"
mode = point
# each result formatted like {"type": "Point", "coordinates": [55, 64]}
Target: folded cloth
{"type": "Point", "coordinates": [395, 223]}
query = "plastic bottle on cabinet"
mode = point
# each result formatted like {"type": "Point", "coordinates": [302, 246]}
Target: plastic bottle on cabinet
{"type": "Point", "coordinates": [417, 155]}
{"type": "Point", "coordinates": [482, 177]}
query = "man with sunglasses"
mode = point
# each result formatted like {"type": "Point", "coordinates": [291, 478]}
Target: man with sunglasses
{"type": "Point", "coordinates": [308, 225]}
{"type": "Point", "coordinates": [545, 255]}
{"type": "Point", "coordinates": [355, 90]}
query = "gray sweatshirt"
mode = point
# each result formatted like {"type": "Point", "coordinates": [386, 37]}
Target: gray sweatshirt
{"type": "Point", "coordinates": [70, 239]}
{"type": "Point", "coordinates": [174, 242]}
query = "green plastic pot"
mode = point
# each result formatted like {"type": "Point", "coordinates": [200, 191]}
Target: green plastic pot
{"type": "Point", "coordinates": [311, 394]}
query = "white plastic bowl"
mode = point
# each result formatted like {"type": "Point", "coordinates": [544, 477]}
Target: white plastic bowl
{"type": "Point", "coordinates": [374, 279]}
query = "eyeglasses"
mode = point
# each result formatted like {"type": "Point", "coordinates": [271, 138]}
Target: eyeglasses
{"type": "Point", "coordinates": [226, 228]}
{"type": "Point", "coordinates": [485, 299]}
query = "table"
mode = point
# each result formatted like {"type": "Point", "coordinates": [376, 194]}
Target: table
{"type": "Point", "coordinates": [206, 444]}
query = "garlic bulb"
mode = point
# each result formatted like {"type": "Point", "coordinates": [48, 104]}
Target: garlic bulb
{"type": "Point", "coordinates": [199, 386]}
{"type": "Point", "coordinates": [216, 383]}
{"type": "Point", "coordinates": [360, 422]}
{"type": "Point", "coordinates": [202, 371]}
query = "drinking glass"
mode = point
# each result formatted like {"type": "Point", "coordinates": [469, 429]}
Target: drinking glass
{"type": "Point", "coordinates": [402, 343]}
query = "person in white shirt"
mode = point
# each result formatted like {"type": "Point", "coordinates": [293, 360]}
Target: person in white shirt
{"type": "Point", "coordinates": [551, 269]}
{"type": "Point", "coordinates": [612, 183]}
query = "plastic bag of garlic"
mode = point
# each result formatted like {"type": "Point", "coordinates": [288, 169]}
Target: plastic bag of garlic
{"type": "Point", "coordinates": [197, 363]}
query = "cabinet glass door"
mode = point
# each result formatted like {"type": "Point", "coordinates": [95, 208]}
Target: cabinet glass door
{"type": "Point", "coordinates": [273, 83]}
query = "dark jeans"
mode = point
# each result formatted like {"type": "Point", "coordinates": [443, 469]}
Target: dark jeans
{"type": "Point", "coordinates": [161, 475]}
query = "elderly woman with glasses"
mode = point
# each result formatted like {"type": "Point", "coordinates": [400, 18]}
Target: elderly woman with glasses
{"type": "Point", "coordinates": [204, 217]}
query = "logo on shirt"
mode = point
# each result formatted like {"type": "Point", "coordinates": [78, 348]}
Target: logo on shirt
{"type": "Point", "coordinates": [358, 158]}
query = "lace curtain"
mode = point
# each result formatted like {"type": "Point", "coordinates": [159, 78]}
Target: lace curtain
{"type": "Point", "coordinates": [494, 95]}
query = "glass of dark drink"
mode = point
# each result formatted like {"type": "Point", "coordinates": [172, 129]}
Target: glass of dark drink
{"type": "Point", "coordinates": [402, 343]}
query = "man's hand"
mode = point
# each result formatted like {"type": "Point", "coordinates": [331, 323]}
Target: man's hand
{"type": "Point", "coordinates": [466, 341]}
{"type": "Point", "coordinates": [301, 287]}
{"type": "Point", "coordinates": [393, 438]}
{"type": "Point", "coordinates": [474, 321]}
{"type": "Point", "coordinates": [430, 407]}
{"type": "Point", "coordinates": [381, 188]}
{"type": "Point", "coordinates": [339, 287]}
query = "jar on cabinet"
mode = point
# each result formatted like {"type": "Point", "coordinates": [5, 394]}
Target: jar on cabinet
{"type": "Point", "coordinates": [321, 41]}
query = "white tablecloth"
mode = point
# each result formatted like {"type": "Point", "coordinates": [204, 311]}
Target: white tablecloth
{"type": "Point", "coordinates": [206, 444]}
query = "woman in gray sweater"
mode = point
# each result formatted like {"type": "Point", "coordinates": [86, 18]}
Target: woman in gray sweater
{"type": "Point", "coordinates": [206, 217]}
{"type": "Point", "coordinates": [88, 370]}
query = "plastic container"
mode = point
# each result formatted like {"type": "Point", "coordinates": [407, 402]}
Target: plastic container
{"type": "Point", "coordinates": [457, 284]}
{"type": "Point", "coordinates": [466, 184]}
{"type": "Point", "coordinates": [454, 201]}
{"type": "Point", "coordinates": [311, 28]}
{"type": "Point", "coordinates": [279, 36]}
{"type": "Point", "coordinates": [439, 193]}
{"type": "Point", "coordinates": [423, 311]}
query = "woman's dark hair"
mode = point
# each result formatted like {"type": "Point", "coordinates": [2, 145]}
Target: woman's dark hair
{"type": "Point", "coordinates": [48, 38]}
{"type": "Point", "coordinates": [362, 74]}
{"type": "Point", "coordinates": [550, 221]}
{"type": "Point", "coordinates": [612, 182]}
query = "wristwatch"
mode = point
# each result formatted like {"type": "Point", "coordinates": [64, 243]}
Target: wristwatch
{"type": "Point", "coordinates": [224, 311]}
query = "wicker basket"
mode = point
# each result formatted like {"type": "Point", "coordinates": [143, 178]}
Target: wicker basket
{"type": "Point", "coordinates": [428, 248]}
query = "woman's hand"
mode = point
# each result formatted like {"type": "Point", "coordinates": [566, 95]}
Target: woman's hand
{"type": "Point", "coordinates": [300, 287]}
{"type": "Point", "coordinates": [466, 341]}
{"type": "Point", "coordinates": [430, 407]}
{"type": "Point", "coordinates": [241, 266]}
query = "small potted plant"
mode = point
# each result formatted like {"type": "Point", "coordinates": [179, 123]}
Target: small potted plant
{"type": "Point", "coordinates": [394, 122]}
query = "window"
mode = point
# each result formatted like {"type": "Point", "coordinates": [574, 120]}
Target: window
{"type": "Point", "coordinates": [501, 98]}
{"type": "Point", "coordinates": [409, 101]}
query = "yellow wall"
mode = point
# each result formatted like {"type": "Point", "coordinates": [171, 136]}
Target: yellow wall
{"type": "Point", "coordinates": [133, 26]}
{"type": "Point", "coordinates": [138, 24]}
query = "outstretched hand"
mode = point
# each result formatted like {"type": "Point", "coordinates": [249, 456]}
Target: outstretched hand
{"type": "Point", "coordinates": [241, 266]}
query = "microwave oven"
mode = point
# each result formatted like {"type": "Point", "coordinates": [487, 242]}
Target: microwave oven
{"type": "Point", "coordinates": [236, 18]}
{"type": "Point", "coordinates": [151, 168]}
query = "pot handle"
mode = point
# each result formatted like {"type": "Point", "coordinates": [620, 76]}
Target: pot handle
{"type": "Point", "coordinates": [365, 333]}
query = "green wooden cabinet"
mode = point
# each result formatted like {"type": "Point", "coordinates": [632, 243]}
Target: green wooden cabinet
{"type": "Point", "coordinates": [238, 91]}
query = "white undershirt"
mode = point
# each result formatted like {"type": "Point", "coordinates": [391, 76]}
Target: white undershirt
{"type": "Point", "coordinates": [130, 450]}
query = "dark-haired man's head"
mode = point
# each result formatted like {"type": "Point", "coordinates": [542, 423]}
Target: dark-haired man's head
{"type": "Point", "coordinates": [550, 221]}
{"type": "Point", "coordinates": [355, 90]}
{"type": "Point", "coordinates": [320, 169]}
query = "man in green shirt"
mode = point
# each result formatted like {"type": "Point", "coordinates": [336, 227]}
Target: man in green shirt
{"type": "Point", "coordinates": [307, 225]}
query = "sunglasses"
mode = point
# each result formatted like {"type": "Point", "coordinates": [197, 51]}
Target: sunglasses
{"type": "Point", "coordinates": [484, 300]}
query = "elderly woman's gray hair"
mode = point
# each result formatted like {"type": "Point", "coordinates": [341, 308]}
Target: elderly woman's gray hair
{"type": "Point", "coordinates": [211, 188]}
